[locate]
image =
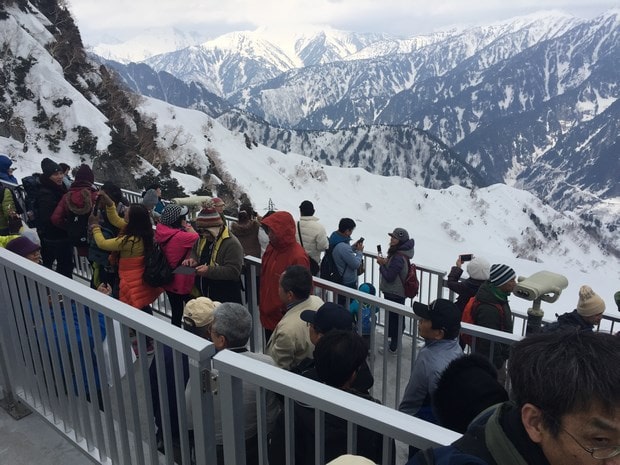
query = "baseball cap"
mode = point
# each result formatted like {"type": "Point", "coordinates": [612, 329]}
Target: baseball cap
{"type": "Point", "coordinates": [198, 312]}
{"type": "Point", "coordinates": [329, 316]}
{"type": "Point", "coordinates": [443, 314]}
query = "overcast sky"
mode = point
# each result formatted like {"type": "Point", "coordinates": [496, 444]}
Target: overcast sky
{"type": "Point", "coordinates": [399, 17]}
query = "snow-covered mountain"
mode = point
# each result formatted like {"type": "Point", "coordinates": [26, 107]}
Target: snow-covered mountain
{"type": "Point", "coordinates": [238, 60]}
{"type": "Point", "coordinates": [501, 223]}
{"type": "Point", "coordinates": [520, 101]}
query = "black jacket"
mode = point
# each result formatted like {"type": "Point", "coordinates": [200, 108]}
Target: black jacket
{"type": "Point", "coordinates": [48, 196]}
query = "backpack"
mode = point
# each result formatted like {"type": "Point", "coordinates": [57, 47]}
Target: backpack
{"type": "Point", "coordinates": [16, 201]}
{"type": "Point", "coordinates": [469, 316]}
{"type": "Point", "coordinates": [31, 185]}
{"type": "Point", "coordinates": [157, 270]}
{"type": "Point", "coordinates": [329, 270]}
{"type": "Point", "coordinates": [77, 229]}
{"type": "Point", "coordinates": [411, 285]}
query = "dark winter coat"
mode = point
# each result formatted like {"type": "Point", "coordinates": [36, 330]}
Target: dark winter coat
{"type": "Point", "coordinates": [500, 426]}
{"type": "Point", "coordinates": [369, 443]}
{"type": "Point", "coordinates": [465, 289]}
{"type": "Point", "coordinates": [488, 315]}
{"type": "Point", "coordinates": [567, 322]}
{"type": "Point", "coordinates": [224, 257]}
{"type": "Point", "coordinates": [48, 197]}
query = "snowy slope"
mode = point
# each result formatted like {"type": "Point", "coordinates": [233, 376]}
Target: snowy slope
{"type": "Point", "coordinates": [493, 222]}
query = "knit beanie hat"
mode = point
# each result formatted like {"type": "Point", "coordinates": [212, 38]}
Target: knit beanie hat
{"type": "Point", "coordinates": [501, 274]}
{"type": "Point", "coordinates": [84, 175]}
{"type": "Point", "coordinates": [172, 213]}
{"type": "Point", "coordinates": [306, 208]}
{"type": "Point", "coordinates": [589, 303]}
{"type": "Point", "coordinates": [208, 218]}
{"type": "Point", "coordinates": [199, 312]}
{"type": "Point", "coordinates": [49, 167]}
{"type": "Point", "coordinates": [150, 199]}
{"type": "Point", "coordinates": [479, 268]}
{"type": "Point", "coordinates": [22, 246]}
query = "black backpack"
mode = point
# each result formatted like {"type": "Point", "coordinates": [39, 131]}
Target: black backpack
{"type": "Point", "coordinates": [31, 185]}
{"type": "Point", "coordinates": [329, 270]}
{"type": "Point", "coordinates": [157, 270]}
{"type": "Point", "coordinates": [77, 229]}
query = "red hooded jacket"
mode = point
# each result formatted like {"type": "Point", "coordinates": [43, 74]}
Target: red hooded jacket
{"type": "Point", "coordinates": [282, 252]}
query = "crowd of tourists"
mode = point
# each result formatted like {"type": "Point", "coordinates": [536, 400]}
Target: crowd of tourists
{"type": "Point", "coordinates": [564, 401]}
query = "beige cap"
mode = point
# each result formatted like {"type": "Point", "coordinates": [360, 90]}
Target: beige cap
{"type": "Point", "coordinates": [199, 312]}
{"type": "Point", "coordinates": [590, 302]}
{"type": "Point", "coordinates": [351, 460]}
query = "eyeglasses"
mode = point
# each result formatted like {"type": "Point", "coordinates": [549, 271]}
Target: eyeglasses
{"type": "Point", "coordinates": [598, 453]}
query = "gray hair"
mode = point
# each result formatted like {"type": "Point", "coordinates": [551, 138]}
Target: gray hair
{"type": "Point", "coordinates": [234, 322]}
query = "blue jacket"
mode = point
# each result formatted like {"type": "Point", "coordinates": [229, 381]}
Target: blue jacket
{"type": "Point", "coordinates": [347, 259]}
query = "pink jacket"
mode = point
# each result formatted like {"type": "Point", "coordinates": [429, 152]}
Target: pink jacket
{"type": "Point", "coordinates": [177, 248]}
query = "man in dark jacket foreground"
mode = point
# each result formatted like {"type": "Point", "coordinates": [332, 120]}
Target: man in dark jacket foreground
{"type": "Point", "coordinates": [565, 408]}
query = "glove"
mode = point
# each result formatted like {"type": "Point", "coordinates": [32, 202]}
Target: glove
{"type": "Point", "coordinates": [93, 220]}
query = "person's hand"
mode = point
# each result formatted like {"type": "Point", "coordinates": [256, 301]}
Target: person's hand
{"type": "Point", "coordinates": [93, 220]}
{"type": "Point", "coordinates": [189, 262]}
{"type": "Point", "coordinates": [201, 270]}
{"type": "Point", "coordinates": [105, 199]}
{"type": "Point", "coordinates": [359, 246]}
{"type": "Point", "coordinates": [459, 262]}
{"type": "Point", "coordinates": [381, 260]}
{"type": "Point", "coordinates": [105, 288]}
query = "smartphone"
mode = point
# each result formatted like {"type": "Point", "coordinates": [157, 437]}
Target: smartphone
{"type": "Point", "coordinates": [379, 249]}
{"type": "Point", "coordinates": [360, 240]}
{"type": "Point", "coordinates": [466, 257]}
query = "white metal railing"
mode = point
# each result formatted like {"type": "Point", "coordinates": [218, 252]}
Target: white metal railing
{"type": "Point", "coordinates": [235, 369]}
{"type": "Point", "coordinates": [69, 357]}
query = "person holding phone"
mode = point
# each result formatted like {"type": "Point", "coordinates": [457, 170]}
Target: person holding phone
{"type": "Point", "coordinates": [347, 257]}
{"type": "Point", "coordinates": [393, 271]}
{"type": "Point", "coordinates": [478, 270]}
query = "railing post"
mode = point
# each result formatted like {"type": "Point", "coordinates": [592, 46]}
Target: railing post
{"type": "Point", "coordinates": [233, 429]}
{"type": "Point", "coordinates": [9, 403]}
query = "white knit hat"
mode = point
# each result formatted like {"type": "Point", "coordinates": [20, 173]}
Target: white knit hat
{"type": "Point", "coordinates": [479, 268]}
{"type": "Point", "coordinates": [590, 303]}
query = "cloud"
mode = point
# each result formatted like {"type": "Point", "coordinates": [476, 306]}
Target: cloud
{"type": "Point", "coordinates": [396, 16]}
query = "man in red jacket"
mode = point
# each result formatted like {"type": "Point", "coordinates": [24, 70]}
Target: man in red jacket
{"type": "Point", "coordinates": [281, 252]}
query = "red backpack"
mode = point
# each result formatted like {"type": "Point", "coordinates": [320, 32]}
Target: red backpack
{"type": "Point", "coordinates": [411, 285]}
{"type": "Point", "coordinates": [469, 315]}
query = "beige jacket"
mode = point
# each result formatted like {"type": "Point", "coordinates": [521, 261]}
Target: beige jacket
{"type": "Point", "coordinates": [313, 236]}
{"type": "Point", "coordinates": [290, 342]}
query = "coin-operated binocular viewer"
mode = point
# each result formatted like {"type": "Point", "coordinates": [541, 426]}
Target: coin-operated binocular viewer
{"type": "Point", "coordinates": [194, 203]}
{"type": "Point", "coordinates": [542, 286]}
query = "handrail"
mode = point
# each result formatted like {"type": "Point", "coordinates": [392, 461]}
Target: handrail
{"type": "Point", "coordinates": [233, 368]}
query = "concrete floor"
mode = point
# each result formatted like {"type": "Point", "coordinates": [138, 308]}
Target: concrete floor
{"type": "Point", "coordinates": [31, 440]}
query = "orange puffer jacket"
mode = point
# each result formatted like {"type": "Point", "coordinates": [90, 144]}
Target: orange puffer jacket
{"type": "Point", "coordinates": [133, 290]}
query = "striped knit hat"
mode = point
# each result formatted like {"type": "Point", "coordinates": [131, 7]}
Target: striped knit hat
{"type": "Point", "coordinates": [501, 274]}
{"type": "Point", "coordinates": [208, 218]}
